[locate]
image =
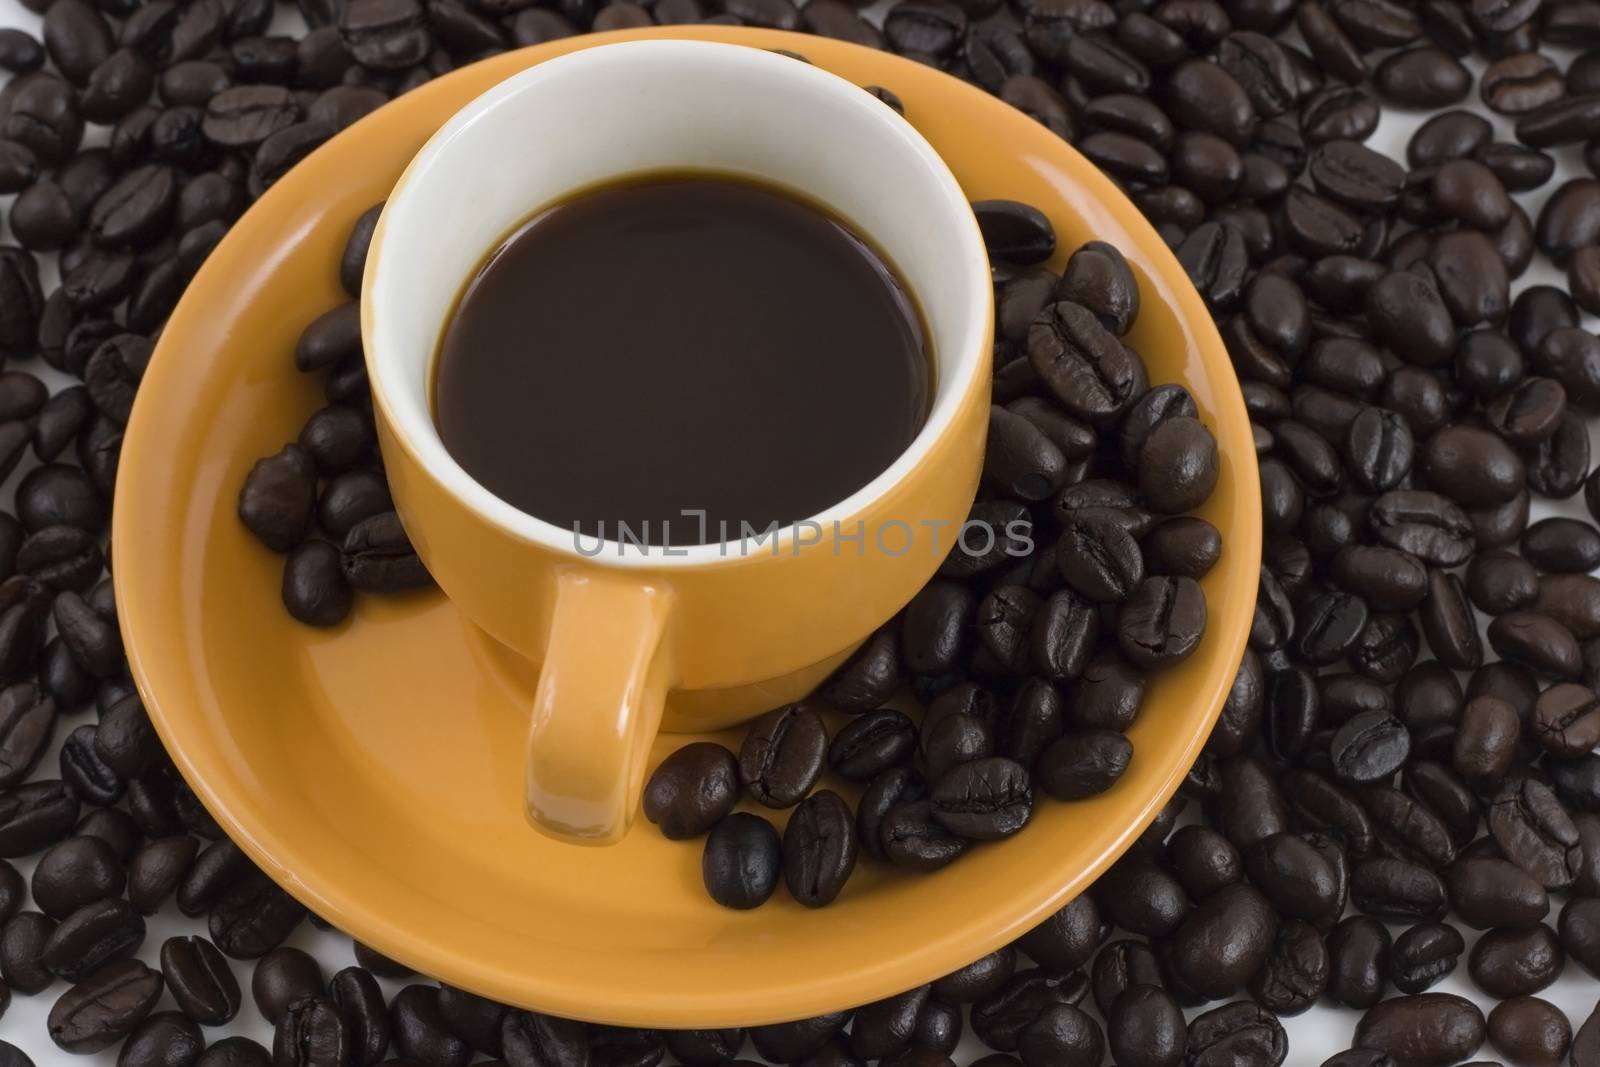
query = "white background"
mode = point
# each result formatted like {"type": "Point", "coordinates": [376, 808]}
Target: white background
{"type": "Point", "coordinates": [1312, 1037]}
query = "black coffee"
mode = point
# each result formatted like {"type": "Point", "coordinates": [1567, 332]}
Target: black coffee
{"type": "Point", "coordinates": [681, 343]}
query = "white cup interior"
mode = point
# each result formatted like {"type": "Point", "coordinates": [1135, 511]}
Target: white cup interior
{"type": "Point", "coordinates": [623, 109]}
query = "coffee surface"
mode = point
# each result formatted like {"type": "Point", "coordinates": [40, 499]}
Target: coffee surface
{"type": "Point", "coordinates": [681, 343]}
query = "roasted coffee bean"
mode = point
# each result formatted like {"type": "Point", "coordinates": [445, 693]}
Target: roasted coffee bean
{"type": "Point", "coordinates": [934, 627]}
{"type": "Point", "coordinates": [972, 982]}
{"type": "Point", "coordinates": [1369, 747]}
{"type": "Point", "coordinates": [277, 498]}
{"type": "Point", "coordinates": [1428, 1030]}
{"type": "Point", "coordinates": [1118, 967]}
{"type": "Point", "coordinates": [1535, 832]}
{"type": "Point", "coordinates": [983, 799]}
{"type": "Point", "coordinates": [692, 789]}
{"type": "Point", "coordinates": [165, 1039]}
{"type": "Point", "coordinates": [1145, 1028]}
{"type": "Point", "coordinates": [1530, 1030]}
{"type": "Point", "coordinates": [75, 872]}
{"type": "Point", "coordinates": [315, 591]}
{"type": "Point", "coordinates": [1092, 373]}
{"type": "Point", "coordinates": [1296, 973]}
{"type": "Point", "coordinates": [1359, 957]}
{"type": "Point", "coordinates": [1579, 928]}
{"type": "Point", "coordinates": [1013, 232]}
{"type": "Point", "coordinates": [35, 815]}
{"type": "Point", "coordinates": [1516, 962]}
{"type": "Point", "coordinates": [95, 934]}
{"type": "Point", "coordinates": [125, 739]}
{"type": "Point", "coordinates": [1099, 557]}
{"type": "Point", "coordinates": [1084, 763]}
{"type": "Point", "coordinates": [999, 1019]}
{"type": "Point", "coordinates": [741, 861]}
{"type": "Point", "coordinates": [868, 678]}
{"type": "Point", "coordinates": [420, 1033]}
{"type": "Point", "coordinates": [1060, 1034]}
{"type": "Point", "coordinates": [280, 978]}
{"type": "Point", "coordinates": [1396, 889]}
{"type": "Point", "coordinates": [349, 498]}
{"type": "Point", "coordinates": [1486, 743]}
{"type": "Point", "coordinates": [1566, 721]}
{"type": "Point", "coordinates": [1294, 876]}
{"type": "Point", "coordinates": [1562, 545]}
{"type": "Point", "coordinates": [252, 917]}
{"type": "Point", "coordinates": [793, 1041]}
{"type": "Point", "coordinates": [956, 738]}
{"type": "Point", "coordinates": [200, 980]}
{"type": "Point", "coordinates": [1491, 892]}
{"type": "Point", "coordinates": [1142, 897]}
{"type": "Point", "coordinates": [1538, 642]}
{"type": "Point", "coordinates": [310, 1034]}
{"type": "Point", "coordinates": [1236, 1033]}
{"type": "Point", "coordinates": [1068, 938]}
{"type": "Point", "coordinates": [1424, 955]}
{"type": "Point", "coordinates": [783, 755]}
{"type": "Point", "coordinates": [377, 556]}
{"type": "Point", "coordinates": [103, 1008]}
{"type": "Point", "coordinates": [819, 848]}
{"type": "Point", "coordinates": [1223, 941]}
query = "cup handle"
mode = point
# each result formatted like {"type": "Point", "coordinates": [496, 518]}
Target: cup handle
{"type": "Point", "coordinates": [598, 705]}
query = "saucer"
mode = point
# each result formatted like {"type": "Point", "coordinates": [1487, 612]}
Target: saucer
{"type": "Point", "coordinates": [375, 769]}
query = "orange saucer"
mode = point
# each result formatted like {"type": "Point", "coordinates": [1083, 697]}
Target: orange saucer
{"type": "Point", "coordinates": [375, 770]}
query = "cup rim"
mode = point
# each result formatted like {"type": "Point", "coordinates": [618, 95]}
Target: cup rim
{"type": "Point", "coordinates": [419, 436]}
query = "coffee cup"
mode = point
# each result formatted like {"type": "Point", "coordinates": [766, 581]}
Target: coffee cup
{"type": "Point", "coordinates": [635, 638]}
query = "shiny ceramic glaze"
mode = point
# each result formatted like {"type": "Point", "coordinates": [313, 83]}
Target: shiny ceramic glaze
{"type": "Point", "coordinates": [365, 768]}
{"type": "Point", "coordinates": [616, 626]}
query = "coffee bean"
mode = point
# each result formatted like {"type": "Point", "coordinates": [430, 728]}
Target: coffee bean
{"type": "Point", "coordinates": [1013, 232]}
{"type": "Point", "coordinates": [1492, 892]}
{"type": "Point", "coordinates": [200, 980]}
{"type": "Point", "coordinates": [793, 1041]}
{"type": "Point", "coordinates": [165, 1039]}
{"type": "Point", "coordinates": [1427, 1029]}
{"type": "Point", "coordinates": [282, 977]}
{"type": "Point", "coordinates": [1369, 747]}
{"type": "Point", "coordinates": [1092, 373]}
{"type": "Point", "coordinates": [96, 934]}
{"type": "Point", "coordinates": [1236, 1033]}
{"type": "Point", "coordinates": [1145, 1028]}
{"type": "Point", "coordinates": [692, 790]}
{"type": "Point", "coordinates": [1000, 1018]}
{"type": "Point", "coordinates": [1538, 642]}
{"type": "Point", "coordinates": [783, 755]}
{"type": "Point", "coordinates": [1516, 962]}
{"type": "Point", "coordinates": [1424, 955]}
{"type": "Point", "coordinates": [741, 861]}
{"type": "Point", "coordinates": [1530, 1030]}
{"type": "Point", "coordinates": [376, 555]}
{"type": "Point", "coordinates": [252, 917]}
{"type": "Point", "coordinates": [1224, 941]}
{"type": "Point", "coordinates": [819, 849]}
{"type": "Point", "coordinates": [1396, 889]}
{"type": "Point", "coordinates": [75, 872]}
{"type": "Point", "coordinates": [1579, 928]}
{"type": "Point", "coordinates": [310, 1034]}
{"type": "Point", "coordinates": [1535, 832]}
{"type": "Point", "coordinates": [420, 1033]}
{"type": "Point", "coordinates": [103, 1008]}
{"type": "Point", "coordinates": [1084, 763]}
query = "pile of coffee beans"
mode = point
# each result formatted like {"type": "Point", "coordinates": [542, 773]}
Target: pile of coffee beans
{"type": "Point", "coordinates": [1387, 775]}
{"type": "Point", "coordinates": [1083, 582]}
{"type": "Point", "coordinates": [323, 500]}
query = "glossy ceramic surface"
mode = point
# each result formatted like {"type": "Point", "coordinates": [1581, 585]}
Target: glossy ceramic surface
{"type": "Point", "coordinates": [365, 768]}
{"type": "Point", "coordinates": [615, 626]}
